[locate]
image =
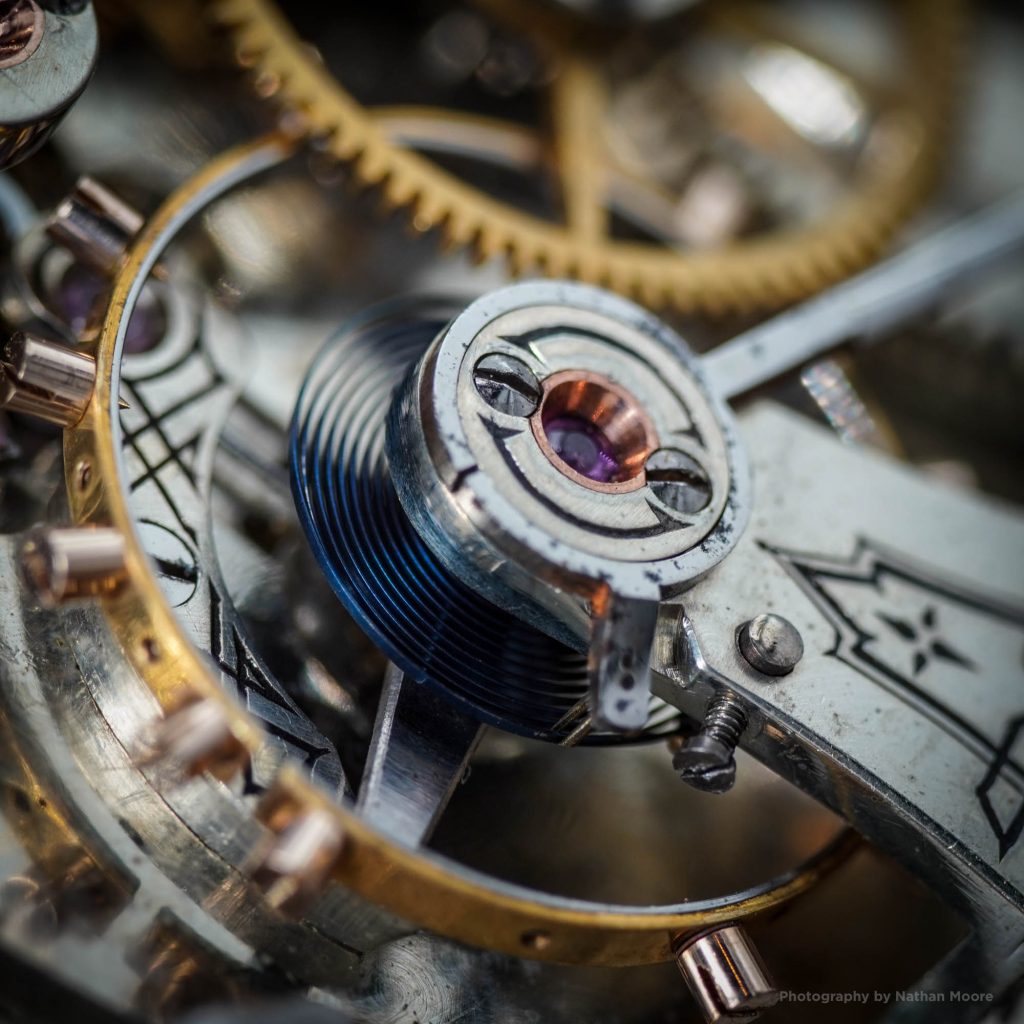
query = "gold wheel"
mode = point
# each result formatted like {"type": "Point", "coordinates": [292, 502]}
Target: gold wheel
{"type": "Point", "coordinates": [765, 270]}
{"type": "Point", "coordinates": [419, 886]}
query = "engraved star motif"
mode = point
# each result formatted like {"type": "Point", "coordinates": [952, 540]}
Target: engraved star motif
{"type": "Point", "coordinates": [925, 635]}
{"type": "Point", "coordinates": [849, 591]}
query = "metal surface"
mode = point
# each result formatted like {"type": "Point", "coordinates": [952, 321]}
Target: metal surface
{"type": "Point", "coordinates": [543, 516]}
{"type": "Point", "coordinates": [422, 887]}
{"type": "Point", "coordinates": [619, 661]}
{"type": "Point", "coordinates": [483, 494]}
{"type": "Point", "coordinates": [21, 29]}
{"type": "Point", "coordinates": [94, 225]}
{"type": "Point", "coordinates": [769, 269]}
{"type": "Point", "coordinates": [427, 620]}
{"type": "Point", "coordinates": [175, 845]}
{"type": "Point", "coordinates": [295, 865]}
{"type": "Point", "coordinates": [72, 563]}
{"type": "Point", "coordinates": [877, 300]}
{"type": "Point", "coordinates": [905, 711]}
{"type": "Point", "coordinates": [154, 852]}
{"type": "Point", "coordinates": [830, 388]}
{"type": "Point", "coordinates": [507, 384]}
{"type": "Point", "coordinates": [419, 753]}
{"type": "Point", "coordinates": [193, 740]}
{"type": "Point", "coordinates": [45, 379]}
{"type": "Point", "coordinates": [706, 761]}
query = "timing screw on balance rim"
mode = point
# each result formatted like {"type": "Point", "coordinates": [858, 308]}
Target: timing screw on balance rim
{"type": "Point", "coordinates": [725, 975]}
{"type": "Point", "coordinates": [706, 760]}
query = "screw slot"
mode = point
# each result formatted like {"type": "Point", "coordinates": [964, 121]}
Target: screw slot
{"type": "Point", "coordinates": [507, 384]}
{"type": "Point", "coordinates": [678, 480]}
{"type": "Point", "coordinates": [770, 644]}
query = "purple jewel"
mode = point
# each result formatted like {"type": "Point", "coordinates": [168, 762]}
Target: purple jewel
{"type": "Point", "coordinates": [79, 292]}
{"type": "Point", "coordinates": [77, 295]}
{"type": "Point", "coordinates": [583, 447]}
{"type": "Point", "coordinates": [146, 327]}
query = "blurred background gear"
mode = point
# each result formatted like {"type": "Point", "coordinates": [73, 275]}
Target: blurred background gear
{"type": "Point", "coordinates": [684, 166]}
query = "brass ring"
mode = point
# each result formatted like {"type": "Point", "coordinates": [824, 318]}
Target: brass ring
{"type": "Point", "coordinates": [422, 887]}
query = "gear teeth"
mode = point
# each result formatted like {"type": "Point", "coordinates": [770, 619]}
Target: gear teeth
{"type": "Point", "coordinates": [548, 264]}
{"type": "Point", "coordinates": [514, 262]}
{"type": "Point", "coordinates": [429, 213]}
{"type": "Point", "coordinates": [400, 191]}
{"type": "Point", "coordinates": [321, 130]}
{"type": "Point", "coordinates": [487, 243]}
{"type": "Point", "coordinates": [649, 292]}
{"type": "Point", "coordinates": [372, 166]}
{"type": "Point", "coordinates": [478, 253]}
{"type": "Point", "coordinates": [344, 147]}
{"type": "Point", "coordinates": [455, 232]}
{"type": "Point", "coordinates": [768, 272]}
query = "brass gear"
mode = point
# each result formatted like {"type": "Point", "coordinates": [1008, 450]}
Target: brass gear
{"type": "Point", "coordinates": [766, 271]}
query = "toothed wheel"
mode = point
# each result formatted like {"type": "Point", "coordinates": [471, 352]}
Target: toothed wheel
{"type": "Point", "coordinates": [617, 224]}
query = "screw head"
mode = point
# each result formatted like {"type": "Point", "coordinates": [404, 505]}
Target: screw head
{"type": "Point", "coordinates": [770, 644]}
{"type": "Point", "coordinates": [507, 384]}
{"type": "Point", "coordinates": [678, 480]}
{"type": "Point", "coordinates": [706, 764]}
{"type": "Point", "coordinates": [726, 975]}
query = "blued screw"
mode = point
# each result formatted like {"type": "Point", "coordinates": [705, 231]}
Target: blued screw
{"type": "Point", "coordinates": [507, 384]}
{"type": "Point", "coordinates": [706, 761]}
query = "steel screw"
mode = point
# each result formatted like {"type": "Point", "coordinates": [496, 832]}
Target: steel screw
{"type": "Point", "coordinates": [678, 480]}
{"type": "Point", "coordinates": [726, 976]}
{"type": "Point", "coordinates": [706, 761]}
{"type": "Point", "coordinates": [507, 384]}
{"type": "Point", "coordinates": [770, 644]}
